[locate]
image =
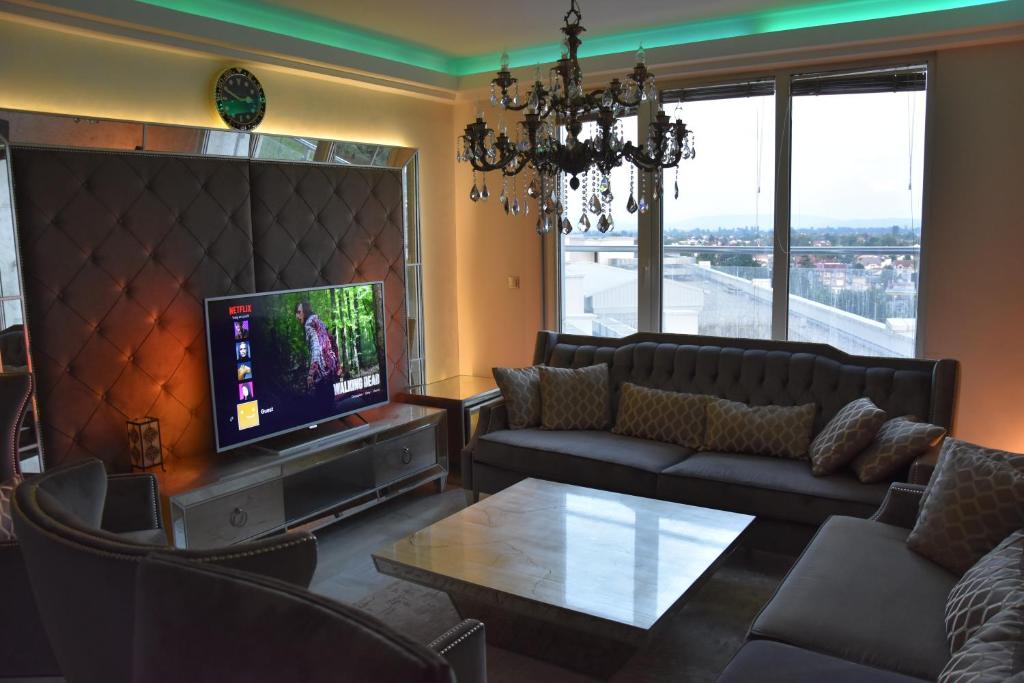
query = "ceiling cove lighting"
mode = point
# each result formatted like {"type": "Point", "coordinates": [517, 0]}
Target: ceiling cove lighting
{"type": "Point", "coordinates": [550, 139]}
{"type": "Point", "coordinates": [300, 25]}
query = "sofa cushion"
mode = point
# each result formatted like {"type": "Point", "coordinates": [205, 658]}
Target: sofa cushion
{"type": "Point", "coordinates": [781, 431]}
{"type": "Point", "coordinates": [575, 399]}
{"type": "Point", "coordinates": [661, 415]}
{"type": "Point", "coordinates": [859, 593]}
{"type": "Point", "coordinates": [769, 487]}
{"type": "Point", "coordinates": [520, 387]}
{"type": "Point", "coordinates": [994, 581]}
{"type": "Point", "coordinates": [587, 458]}
{"type": "Point", "coordinates": [897, 443]}
{"type": "Point", "coordinates": [994, 654]}
{"type": "Point", "coordinates": [765, 661]}
{"type": "Point", "coordinates": [974, 500]}
{"type": "Point", "coordinates": [845, 435]}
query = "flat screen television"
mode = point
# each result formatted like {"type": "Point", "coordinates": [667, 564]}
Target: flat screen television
{"type": "Point", "coordinates": [281, 361]}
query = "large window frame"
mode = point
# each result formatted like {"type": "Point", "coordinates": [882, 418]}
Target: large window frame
{"type": "Point", "coordinates": [651, 225]}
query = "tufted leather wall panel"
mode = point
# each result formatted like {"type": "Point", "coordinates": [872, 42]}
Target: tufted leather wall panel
{"type": "Point", "coordinates": [318, 225]}
{"type": "Point", "coordinates": [120, 249]}
{"type": "Point", "coordinates": [763, 372]}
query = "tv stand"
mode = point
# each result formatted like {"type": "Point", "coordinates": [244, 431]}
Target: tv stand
{"type": "Point", "coordinates": [309, 478]}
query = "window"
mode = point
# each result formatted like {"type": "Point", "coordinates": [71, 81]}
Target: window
{"type": "Point", "coordinates": [806, 227]}
{"type": "Point", "coordinates": [855, 241]}
{"type": "Point", "coordinates": [718, 232]}
{"type": "Point", "coordinates": [599, 270]}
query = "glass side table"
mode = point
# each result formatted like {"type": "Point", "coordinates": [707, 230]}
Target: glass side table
{"type": "Point", "coordinates": [462, 397]}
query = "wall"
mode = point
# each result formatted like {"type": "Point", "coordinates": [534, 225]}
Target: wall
{"type": "Point", "coordinates": [49, 70]}
{"type": "Point", "coordinates": [497, 325]}
{"type": "Point", "coordinates": [973, 308]}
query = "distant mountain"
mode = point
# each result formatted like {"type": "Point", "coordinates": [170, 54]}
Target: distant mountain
{"type": "Point", "coordinates": [803, 222]}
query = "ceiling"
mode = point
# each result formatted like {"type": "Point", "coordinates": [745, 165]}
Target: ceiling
{"type": "Point", "coordinates": [464, 37]}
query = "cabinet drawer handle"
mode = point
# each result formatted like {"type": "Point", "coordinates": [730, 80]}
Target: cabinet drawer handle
{"type": "Point", "coordinates": [406, 456]}
{"type": "Point", "coordinates": [238, 517]}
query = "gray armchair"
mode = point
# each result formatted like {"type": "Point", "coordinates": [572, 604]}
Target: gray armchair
{"type": "Point", "coordinates": [83, 536]}
{"type": "Point", "coordinates": [196, 622]}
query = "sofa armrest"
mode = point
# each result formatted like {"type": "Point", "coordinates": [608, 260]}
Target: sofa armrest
{"type": "Point", "coordinates": [289, 557]}
{"type": "Point", "coordinates": [493, 418]}
{"type": "Point", "coordinates": [900, 505]}
{"type": "Point", "coordinates": [464, 647]}
{"type": "Point", "coordinates": [132, 503]}
{"type": "Point", "coordinates": [923, 466]}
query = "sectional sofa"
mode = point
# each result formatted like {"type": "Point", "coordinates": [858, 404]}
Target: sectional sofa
{"type": "Point", "coordinates": [750, 371]}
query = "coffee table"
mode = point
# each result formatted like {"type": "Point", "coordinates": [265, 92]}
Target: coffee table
{"type": "Point", "coordinates": [577, 576]}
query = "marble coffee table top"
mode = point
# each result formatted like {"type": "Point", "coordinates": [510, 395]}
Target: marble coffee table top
{"type": "Point", "coordinates": [624, 560]}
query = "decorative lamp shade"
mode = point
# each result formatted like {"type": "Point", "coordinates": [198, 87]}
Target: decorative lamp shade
{"type": "Point", "coordinates": [144, 442]}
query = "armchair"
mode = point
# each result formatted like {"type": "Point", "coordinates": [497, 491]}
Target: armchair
{"type": "Point", "coordinates": [83, 536]}
{"type": "Point", "coordinates": [197, 622]}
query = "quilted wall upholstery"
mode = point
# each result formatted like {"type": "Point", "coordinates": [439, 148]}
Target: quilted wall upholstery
{"type": "Point", "coordinates": [762, 373]}
{"type": "Point", "coordinates": [319, 225]}
{"type": "Point", "coordinates": [120, 249]}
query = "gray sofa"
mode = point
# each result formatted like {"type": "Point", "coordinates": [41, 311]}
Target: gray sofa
{"type": "Point", "coordinates": [751, 371]}
{"type": "Point", "coordinates": [857, 606]}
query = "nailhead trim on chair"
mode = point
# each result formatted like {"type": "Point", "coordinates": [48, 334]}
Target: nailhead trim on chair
{"type": "Point", "coordinates": [455, 642]}
{"type": "Point", "coordinates": [254, 553]}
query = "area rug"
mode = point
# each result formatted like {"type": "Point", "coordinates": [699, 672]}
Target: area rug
{"type": "Point", "coordinates": [695, 645]}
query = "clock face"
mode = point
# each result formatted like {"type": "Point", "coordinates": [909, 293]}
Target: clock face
{"type": "Point", "coordinates": [240, 99]}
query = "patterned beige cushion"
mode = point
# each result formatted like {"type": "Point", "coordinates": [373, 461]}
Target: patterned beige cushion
{"type": "Point", "coordinates": [759, 430]}
{"type": "Point", "coordinates": [667, 416]}
{"type": "Point", "coordinates": [994, 582]}
{"type": "Point", "coordinates": [845, 435]}
{"type": "Point", "coordinates": [974, 500]}
{"type": "Point", "coordinates": [520, 388]}
{"type": "Point", "coordinates": [994, 655]}
{"type": "Point", "coordinates": [6, 520]}
{"type": "Point", "coordinates": [575, 399]}
{"type": "Point", "coordinates": [897, 443]}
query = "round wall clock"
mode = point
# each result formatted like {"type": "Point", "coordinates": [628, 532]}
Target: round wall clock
{"type": "Point", "coordinates": [240, 100]}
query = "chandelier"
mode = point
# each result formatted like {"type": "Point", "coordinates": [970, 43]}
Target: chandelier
{"type": "Point", "coordinates": [551, 142]}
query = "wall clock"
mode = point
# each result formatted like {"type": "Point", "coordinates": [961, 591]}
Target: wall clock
{"type": "Point", "coordinates": [240, 100]}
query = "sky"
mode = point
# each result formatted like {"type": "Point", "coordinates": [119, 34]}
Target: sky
{"type": "Point", "coordinates": [857, 160]}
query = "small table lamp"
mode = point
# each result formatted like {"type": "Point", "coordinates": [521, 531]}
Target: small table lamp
{"type": "Point", "coordinates": [144, 442]}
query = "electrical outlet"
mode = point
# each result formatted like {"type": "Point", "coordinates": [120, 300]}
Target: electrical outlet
{"type": "Point", "coordinates": [513, 282]}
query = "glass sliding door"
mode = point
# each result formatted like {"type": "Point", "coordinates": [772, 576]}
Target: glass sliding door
{"type": "Point", "coordinates": [855, 241]}
{"type": "Point", "coordinates": [717, 237]}
{"type": "Point", "coordinates": [599, 286]}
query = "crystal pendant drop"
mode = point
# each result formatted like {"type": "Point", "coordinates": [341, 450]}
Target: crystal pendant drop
{"type": "Point", "coordinates": [543, 225]}
{"type": "Point", "coordinates": [631, 204]}
{"type": "Point", "coordinates": [602, 224]}
{"type": "Point", "coordinates": [526, 208]}
{"type": "Point", "coordinates": [608, 196]}
{"type": "Point", "coordinates": [584, 222]}
{"type": "Point", "coordinates": [677, 190]}
{"type": "Point", "coordinates": [532, 189]}
{"type": "Point", "coordinates": [643, 205]}
{"type": "Point", "coordinates": [566, 225]}
{"type": "Point", "coordinates": [485, 193]}
{"type": "Point", "coordinates": [595, 204]}
{"type": "Point", "coordinates": [474, 194]}
{"type": "Point", "coordinates": [559, 209]}
{"type": "Point", "coordinates": [503, 200]}
{"type": "Point", "coordinates": [605, 185]}
{"type": "Point", "coordinates": [515, 206]}
{"type": "Point", "coordinates": [611, 223]}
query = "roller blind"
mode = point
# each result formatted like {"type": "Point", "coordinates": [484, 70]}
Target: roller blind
{"type": "Point", "coordinates": [900, 79]}
{"type": "Point", "coordinates": [723, 91]}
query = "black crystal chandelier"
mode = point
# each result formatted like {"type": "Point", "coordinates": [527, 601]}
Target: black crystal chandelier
{"type": "Point", "coordinates": [551, 141]}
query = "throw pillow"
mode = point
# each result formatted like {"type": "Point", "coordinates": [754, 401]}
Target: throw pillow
{"type": "Point", "coordinates": [845, 435]}
{"type": "Point", "coordinates": [520, 387]}
{"type": "Point", "coordinates": [994, 582]}
{"type": "Point", "coordinates": [575, 399]}
{"type": "Point", "coordinates": [995, 654]}
{"type": "Point", "coordinates": [661, 415]}
{"type": "Point", "coordinates": [974, 500]}
{"type": "Point", "coordinates": [759, 430]}
{"type": "Point", "coordinates": [6, 519]}
{"type": "Point", "coordinates": [897, 443]}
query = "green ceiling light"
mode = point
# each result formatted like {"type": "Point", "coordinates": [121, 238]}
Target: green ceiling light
{"type": "Point", "coordinates": [295, 24]}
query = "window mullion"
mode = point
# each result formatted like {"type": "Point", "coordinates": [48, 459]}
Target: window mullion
{"type": "Point", "coordinates": [780, 251]}
{"type": "Point", "coordinates": [648, 243]}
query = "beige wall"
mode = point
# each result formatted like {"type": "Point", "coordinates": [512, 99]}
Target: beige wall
{"type": "Point", "coordinates": [497, 325]}
{"type": "Point", "coordinates": [53, 71]}
{"type": "Point", "coordinates": [973, 305]}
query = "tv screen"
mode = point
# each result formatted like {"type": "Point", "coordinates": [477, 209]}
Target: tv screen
{"type": "Point", "coordinates": [284, 360]}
